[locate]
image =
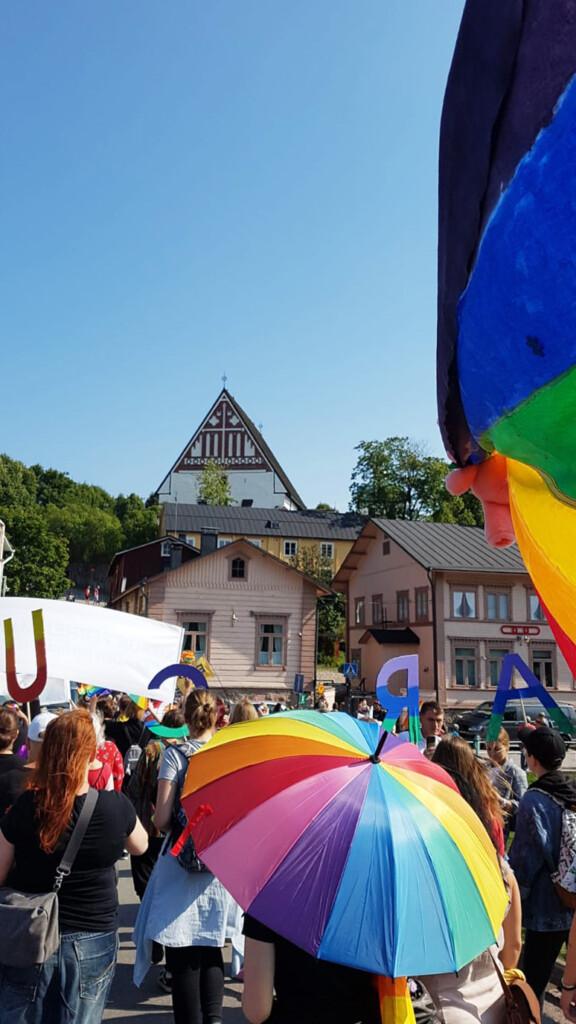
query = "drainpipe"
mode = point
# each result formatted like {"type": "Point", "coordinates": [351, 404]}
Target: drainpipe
{"type": "Point", "coordinates": [434, 633]}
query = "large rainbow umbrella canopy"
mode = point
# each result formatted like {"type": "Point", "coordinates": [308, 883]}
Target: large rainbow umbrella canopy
{"type": "Point", "coordinates": [368, 859]}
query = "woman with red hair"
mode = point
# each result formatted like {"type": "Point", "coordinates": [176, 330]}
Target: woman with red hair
{"type": "Point", "coordinates": [73, 983]}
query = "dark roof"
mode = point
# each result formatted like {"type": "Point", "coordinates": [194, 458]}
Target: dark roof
{"type": "Point", "coordinates": [447, 546]}
{"type": "Point", "coordinates": [263, 522]}
{"type": "Point", "coordinates": [391, 636]}
{"type": "Point", "coordinates": [149, 544]}
{"type": "Point", "coordinates": [258, 438]}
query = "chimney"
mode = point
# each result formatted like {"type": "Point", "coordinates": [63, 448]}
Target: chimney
{"type": "Point", "coordinates": [175, 556]}
{"type": "Point", "coordinates": [208, 542]}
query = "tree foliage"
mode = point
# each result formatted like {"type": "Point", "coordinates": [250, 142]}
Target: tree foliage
{"type": "Point", "coordinates": [38, 568]}
{"type": "Point", "coordinates": [331, 609]}
{"type": "Point", "coordinates": [52, 521]}
{"type": "Point", "coordinates": [397, 479]}
{"type": "Point", "coordinates": [214, 485]}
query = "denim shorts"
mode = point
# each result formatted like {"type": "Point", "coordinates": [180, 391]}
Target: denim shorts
{"type": "Point", "coordinates": [70, 988]}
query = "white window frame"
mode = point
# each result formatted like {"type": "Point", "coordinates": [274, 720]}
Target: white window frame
{"type": "Point", "coordinates": [459, 644]}
{"type": "Point", "coordinates": [186, 618]}
{"type": "Point", "coordinates": [292, 544]}
{"type": "Point", "coordinates": [498, 592]}
{"type": "Point", "coordinates": [359, 604]}
{"type": "Point", "coordinates": [540, 618]}
{"type": "Point", "coordinates": [222, 542]}
{"type": "Point", "coordinates": [271, 620]}
{"type": "Point", "coordinates": [463, 588]}
{"type": "Point", "coordinates": [327, 549]}
{"type": "Point", "coordinates": [550, 649]}
{"type": "Point", "coordinates": [166, 549]}
{"type": "Point", "coordinates": [503, 649]}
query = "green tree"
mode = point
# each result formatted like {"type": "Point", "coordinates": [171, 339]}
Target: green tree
{"type": "Point", "coordinates": [38, 568]}
{"type": "Point", "coordinates": [17, 484]}
{"type": "Point", "coordinates": [397, 479]}
{"type": "Point", "coordinates": [331, 609]}
{"type": "Point", "coordinates": [52, 486]}
{"type": "Point", "coordinates": [93, 535]}
{"type": "Point", "coordinates": [214, 485]}
{"type": "Point", "coordinates": [139, 522]}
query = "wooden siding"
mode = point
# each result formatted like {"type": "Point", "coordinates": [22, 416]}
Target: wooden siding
{"type": "Point", "coordinates": [233, 608]}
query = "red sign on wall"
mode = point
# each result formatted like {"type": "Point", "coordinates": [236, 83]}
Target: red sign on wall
{"type": "Point", "coordinates": [520, 630]}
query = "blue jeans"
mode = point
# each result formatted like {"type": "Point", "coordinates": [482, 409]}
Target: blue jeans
{"type": "Point", "coordinates": [70, 988]}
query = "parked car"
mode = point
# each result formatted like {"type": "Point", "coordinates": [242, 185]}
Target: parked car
{"type": "Point", "coordinates": [474, 722]}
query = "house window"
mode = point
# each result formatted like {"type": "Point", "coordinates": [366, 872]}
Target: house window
{"type": "Point", "coordinates": [255, 541]}
{"type": "Point", "coordinates": [223, 541]}
{"type": "Point", "coordinates": [498, 605]}
{"type": "Point", "coordinates": [495, 655]}
{"type": "Point", "coordinates": [466, 665]}
{"type": "Point", "coordinates": [386, 547]}
{"type": "Point", "coordinates": [421, 595]}
{"type": "Point", "coordinates": [237, 569]}
{"type": "Point", "coordinates": [271, 638]}
{"type": "Point", "coordinates": [327, 550]}
{"type": "Point", "coordinates": [196, 636]}
{"type": "Point", "coordinates": [464, 604]}
{"type": "Point", "coordinates": [377, 610]}
{"type": "Point", "coordinates": [359, 611]}
{"type": "Point", "coordinates": [543, 665]}
{"type": "Point", "coordinates": [402, 605]}
{"type": "Point", "coordinates": [166, 549]}
{"type": "Point", "coordinates": [535, 610]}
{"type": "Point", "coordinates": [290, 548]}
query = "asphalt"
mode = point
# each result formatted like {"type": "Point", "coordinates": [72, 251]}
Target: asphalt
{"type": "Point", "coordinates": [149, 1005]}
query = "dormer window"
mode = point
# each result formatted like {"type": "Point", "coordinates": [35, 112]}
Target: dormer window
{"type": "Point", "coordinates": [238, 569]}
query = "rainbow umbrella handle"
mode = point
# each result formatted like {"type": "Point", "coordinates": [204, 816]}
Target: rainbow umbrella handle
{"type": "Point", "coordinates": [395, 1002]}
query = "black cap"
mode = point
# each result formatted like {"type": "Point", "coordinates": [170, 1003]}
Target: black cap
{"type": "Point", "coordinates": [546, 745]}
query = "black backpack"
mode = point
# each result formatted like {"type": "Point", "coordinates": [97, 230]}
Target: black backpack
{"type": "Point", "coordinates": [187, 856]}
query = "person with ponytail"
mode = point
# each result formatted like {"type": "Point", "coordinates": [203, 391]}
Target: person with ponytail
{"type": "Point", "coordinates": [73, 983]}
{"type": "Point", "coordinates": [185, 908]}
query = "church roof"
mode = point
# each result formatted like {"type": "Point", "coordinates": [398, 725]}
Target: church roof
{"type": "Point", "coordinates": [265, 452]}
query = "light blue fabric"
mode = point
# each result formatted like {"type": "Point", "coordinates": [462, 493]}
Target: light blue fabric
{"type": "Point", "coordinates": [181, 908]}
{"type": "Point", "coordinates": [533, 857]}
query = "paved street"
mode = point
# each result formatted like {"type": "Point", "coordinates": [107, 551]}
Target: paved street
{"type": "Point", "coordinates": [149, 1005]}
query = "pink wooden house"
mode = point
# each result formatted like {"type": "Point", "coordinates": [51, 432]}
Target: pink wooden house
{"type": "Point", "coordinates": [250, 614]}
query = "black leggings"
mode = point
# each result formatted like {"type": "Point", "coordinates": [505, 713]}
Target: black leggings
{"type": "Point", "coordinates": [197, 983]}
{"type": "Point", "coordinates": [541, 950]}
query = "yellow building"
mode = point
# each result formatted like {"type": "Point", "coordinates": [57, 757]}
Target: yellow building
{"type": "Point", "coordinates": [290, 535]}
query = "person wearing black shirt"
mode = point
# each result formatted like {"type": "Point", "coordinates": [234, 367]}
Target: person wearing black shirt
{"type": "Point", "coordinates": [129, 733]}
{"type": "Point", "coordinates": [72, 985]}
{"type": "Point", "coordinates": [12, 770]}
{"type": "Point", "coordinates": [307, 990]}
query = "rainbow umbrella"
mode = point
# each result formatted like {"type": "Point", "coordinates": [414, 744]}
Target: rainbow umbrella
{"type": "Point", "coordinates": [347, 842]}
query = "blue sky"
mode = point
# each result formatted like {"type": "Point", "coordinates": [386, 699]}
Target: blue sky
{"type": "Point", "coordinates": [192, 188]}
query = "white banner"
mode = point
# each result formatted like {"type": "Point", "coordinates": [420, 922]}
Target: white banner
{"type": "Point", "coordinates": [88, 644]}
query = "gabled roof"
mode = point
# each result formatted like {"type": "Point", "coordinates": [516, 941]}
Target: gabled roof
{"type": "Point", "coordinates": [258, 440]}
{"type": "Point", "coordinates": [263, 522]}
{"type": "Point", "coordinates": [226, 552]}
{"type": "Point", "coordinates": [441, 547]}
{"type": "Point", "coordinates": [149, 544]}
{"type": "Point", "coordinates": [447, 546]}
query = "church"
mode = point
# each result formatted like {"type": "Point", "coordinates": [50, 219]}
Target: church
{"type": "Point", "coordinates": [228, 437]}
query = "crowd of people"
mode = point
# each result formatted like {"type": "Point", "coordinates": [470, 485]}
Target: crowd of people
{"type": "Point", "coordinates": [49, 764]}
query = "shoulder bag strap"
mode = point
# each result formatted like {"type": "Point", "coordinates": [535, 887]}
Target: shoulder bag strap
{"type": "Point", "coordinates": [79, 831]}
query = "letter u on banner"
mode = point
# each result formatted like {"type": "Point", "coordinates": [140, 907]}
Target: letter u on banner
{"type": "Point", "coordinates": [32, 692]}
